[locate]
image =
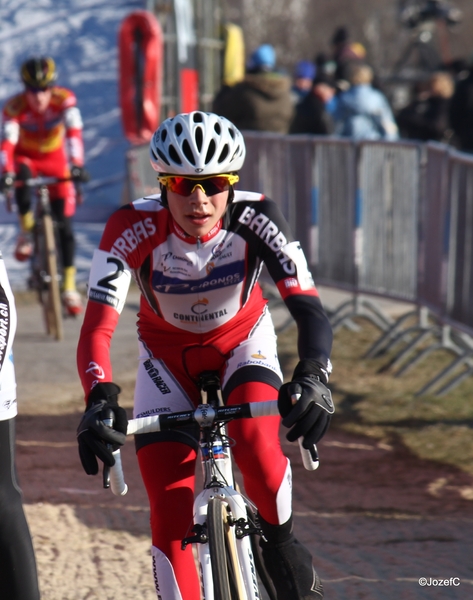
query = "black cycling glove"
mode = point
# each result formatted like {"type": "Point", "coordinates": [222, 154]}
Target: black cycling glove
{"type": "Point", "coordinates": [95, 438]}
{"type": "Point", "coordinates": [306, 404]}
{"type": "Point", "coordinates": [6, 182]}
{"type": "Point", "coordinates": [79, 174]}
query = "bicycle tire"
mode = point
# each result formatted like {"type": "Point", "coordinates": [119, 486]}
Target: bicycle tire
{"type": "Point", "coordinates": [49, 292]}
{"type": "Point", "coordinates": [226, 575]}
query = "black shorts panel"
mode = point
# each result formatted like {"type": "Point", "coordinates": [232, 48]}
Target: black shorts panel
{"type": "Point", "coordinates": [251, 373]}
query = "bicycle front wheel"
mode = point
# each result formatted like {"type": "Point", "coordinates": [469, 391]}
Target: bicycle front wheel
{"type": "Point", "coordinates": [226, 573]}
{"type": "Point", "coordinates": [48, 281]}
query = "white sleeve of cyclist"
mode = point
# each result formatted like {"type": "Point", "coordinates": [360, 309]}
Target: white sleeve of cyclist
{"type": "Point", "coordinates": [11, 131]}
{"type": "Point", "coordinates": [109, 280]}
{"type": "Point", "coordinates": [294, 251]}
{"type": "Point", "coordinates": [73, 118]}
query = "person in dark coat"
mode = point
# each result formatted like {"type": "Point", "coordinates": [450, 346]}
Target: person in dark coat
{"type": "Point", "coordinates": [311, 114]}
{"type": "Point", "coordinates": [461, 112]}
{"type": "Point", "coordinates": [304, 74]}
{"type": "Point", "coordinates": [344, 54]}
{"type": "Point", "coordinates": [262, 101]}
{"type": "Point", "coordinates": [427, 117]}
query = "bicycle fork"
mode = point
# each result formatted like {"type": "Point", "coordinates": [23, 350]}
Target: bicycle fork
{"type": "Point", "coordinates": [238, 519]}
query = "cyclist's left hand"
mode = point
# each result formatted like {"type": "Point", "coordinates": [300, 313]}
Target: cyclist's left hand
{"type": "Point", "coordinates": [79, 174]}
{"type": "Point", "coordinates": [306, 406]}
{"type": "Point", "coordinates": [6, 182]}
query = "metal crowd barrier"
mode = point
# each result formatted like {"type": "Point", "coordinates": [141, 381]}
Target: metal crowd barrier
{"type": "Point", "coordinates": [387, 219]}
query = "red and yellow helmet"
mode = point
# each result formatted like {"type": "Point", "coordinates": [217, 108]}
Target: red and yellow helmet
{"type": "Point", "coordinates": [38, 73]}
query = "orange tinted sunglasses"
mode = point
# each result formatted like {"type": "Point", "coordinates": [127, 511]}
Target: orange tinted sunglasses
{"type": "Point", "coordinates": [211, 185]}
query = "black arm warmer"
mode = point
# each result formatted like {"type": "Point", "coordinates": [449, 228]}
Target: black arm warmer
{"type": "Point", "coordinates": [315, 332]}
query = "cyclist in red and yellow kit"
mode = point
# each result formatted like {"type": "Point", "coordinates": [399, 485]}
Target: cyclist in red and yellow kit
{"type": "Point", "coordinates": [42, 135]}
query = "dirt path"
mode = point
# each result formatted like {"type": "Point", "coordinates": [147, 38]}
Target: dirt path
{"type": "Point", "coordinates": [376, 518]}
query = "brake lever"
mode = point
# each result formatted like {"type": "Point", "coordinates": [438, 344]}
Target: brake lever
{"type": "Point", "coordinates": [108, 422]}
{"type": "Point", "coordinates": [310, 457]}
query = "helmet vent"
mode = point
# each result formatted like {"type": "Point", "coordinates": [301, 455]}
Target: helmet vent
{"type": "Point", "coordinates": [162, 156]}
{"type": "Point", "coordinates": [199, 136]}
{"type": "Point", "coordinates": [210, 152]}
{"type": "Point", "coordinates": [217, 128]}
{"type": "Point", "coordinates": [237, 153]}
{"type": "Point", "coordinates": [223, 153]}
{"type": "Point", "coordinates": [232, 133]}
{"type": "Point", "coordinates": [174, 155]}
{"type": "Point", "coordinates": [164, 135]}
{"type": "Point", "coordinates": [178, 129]}
{"type": "Point", "coordinates": [188, 152]}
{"type": "Point", "coordinates": [198, 117]}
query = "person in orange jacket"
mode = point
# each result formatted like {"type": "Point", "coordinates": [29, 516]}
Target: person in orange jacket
{"type": "Point", "coordinates": [42, 135]}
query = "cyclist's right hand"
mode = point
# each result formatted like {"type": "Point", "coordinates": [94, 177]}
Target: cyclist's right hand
{"type": "Point", "coordinates": [95, 438]}
{"type": "Point", "coordinates": [7, 181]}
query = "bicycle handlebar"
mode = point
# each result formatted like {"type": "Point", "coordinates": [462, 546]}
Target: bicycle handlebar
{"type": "Point", "coordinates": [42, 180]}
{"type": "Point", "coordinates": [204, 415]}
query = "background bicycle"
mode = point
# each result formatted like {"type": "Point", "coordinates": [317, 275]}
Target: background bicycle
{"type": "Point", "coordinates": [225, 530]}
{"type": "Point", "coordinates": [46, 276]}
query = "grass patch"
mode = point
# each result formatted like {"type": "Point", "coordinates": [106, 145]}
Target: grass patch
{"type": "Point", "coordinates": [372, 401]}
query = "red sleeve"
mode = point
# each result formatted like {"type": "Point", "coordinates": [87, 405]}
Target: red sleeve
{"type": "Point", "coordinates": [93, 350]}
{"type": "Point", "coordinates": [109, 280]}
{"type": "Point", "coordinates": [7, 150]}
{"type": "Point", "coordinates": [75, 146]}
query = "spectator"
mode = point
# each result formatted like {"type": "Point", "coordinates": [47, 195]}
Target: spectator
{"type": "Point", "coordinates": [363, 112]}
{"type": "Point", "coordinates": [311, 114]}
{"type": "Point", "coordinates": [324, 67]}
{"type": "Point", "coordinates": [344, 54]}
{"type": "Point", "coordinates": [304, 74]}
{"type": "Point", "coordinates": [461, 111]}
{"type": "Point", "coordinates": [262, 101]}
{"type": "Point", "coordinates": [427, 117]}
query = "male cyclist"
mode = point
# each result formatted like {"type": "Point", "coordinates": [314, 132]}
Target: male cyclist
{"type": "Point", "coordinates": [196, 250]}
{"type": "Point", "coordinates": [42, 135]}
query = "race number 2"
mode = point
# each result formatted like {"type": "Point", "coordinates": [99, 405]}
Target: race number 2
{"type": "Point", "coordinates": [109, 280]}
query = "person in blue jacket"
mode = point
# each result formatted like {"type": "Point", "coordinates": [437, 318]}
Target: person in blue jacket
{"type": "Point", "coordinates": [363, 112]}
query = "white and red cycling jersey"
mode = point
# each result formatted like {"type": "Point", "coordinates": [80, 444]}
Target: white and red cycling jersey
{"type": "Point", "coordinates": [196, 292]}
{"type": "Point", "coordinates": [201, 308]}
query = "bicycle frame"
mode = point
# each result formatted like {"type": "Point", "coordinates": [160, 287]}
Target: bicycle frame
{"type": "Point", "coordinates": [45, 264]}
{"type": "Point", "coordinates": [218, 483]}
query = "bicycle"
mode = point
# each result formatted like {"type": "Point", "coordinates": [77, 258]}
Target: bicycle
{"type": "Point", "coordinates": [225, 528]}
{"type": "Point", "coordinates": [46, 268]}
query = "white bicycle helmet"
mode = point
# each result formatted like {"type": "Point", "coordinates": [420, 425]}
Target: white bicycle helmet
{"type": "Point", "coordinates": [197, 143]}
